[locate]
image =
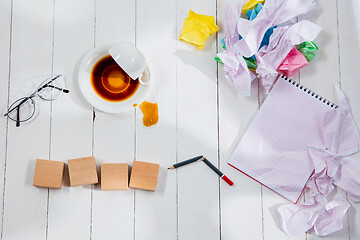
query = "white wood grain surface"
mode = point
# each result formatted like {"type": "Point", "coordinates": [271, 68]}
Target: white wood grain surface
{"type": "Point", "coordinates": [349, 49]}
{"type": "Point", "coordinates": [71, 122]}
{"type": "Point", "coordinates": [31, 54]}
{"type": "Point", "coordinates": [199, 113]}
{"type": "Point", "coordinates": [5, 51]}
{"type": "Point", "coordinates": [113, 135]}
{"type": "Point", "coordinates": [155, 211]}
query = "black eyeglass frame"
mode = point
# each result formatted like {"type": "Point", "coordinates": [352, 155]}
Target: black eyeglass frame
{"type": "Point", "coordinates": [23, 100]}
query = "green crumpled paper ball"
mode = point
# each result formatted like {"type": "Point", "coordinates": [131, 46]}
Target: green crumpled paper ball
{"type": "Point", "coordinates": [307, 49]}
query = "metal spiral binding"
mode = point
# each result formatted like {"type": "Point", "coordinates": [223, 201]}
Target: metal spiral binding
{"type": "Point", "coordinates": [308, 91]}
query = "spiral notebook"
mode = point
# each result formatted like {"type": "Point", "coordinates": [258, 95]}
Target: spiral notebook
{"type": "Point", "coordinates": [274, 149]}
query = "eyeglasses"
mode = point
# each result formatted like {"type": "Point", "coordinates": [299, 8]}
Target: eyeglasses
{"type": "Point", "coordinates": [23, 109]}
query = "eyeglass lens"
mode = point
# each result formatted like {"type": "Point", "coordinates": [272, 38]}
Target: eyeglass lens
{"type": "Point", "coordinates": [51, 89]}
{"type": "Point", "coordinates": [24, 110]}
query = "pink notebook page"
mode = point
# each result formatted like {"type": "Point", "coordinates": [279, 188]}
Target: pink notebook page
{"type": "Point", "coordinates": [274, 149]}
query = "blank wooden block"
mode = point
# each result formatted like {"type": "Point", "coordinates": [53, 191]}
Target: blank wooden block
{"type": "Point", "coordinates": [144, 175]}
{"type": "Point", "coordinates": [48, 173]}
{"type": "Point", "coordinates": [82, 171]}
{"type": "Point", "coordinates": [114, 176]}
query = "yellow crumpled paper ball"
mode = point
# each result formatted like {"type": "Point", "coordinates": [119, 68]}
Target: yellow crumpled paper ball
{"type": "Point", "coordinates": [250, 5]}
{"type": "Point", "coordinates": [197, 28]}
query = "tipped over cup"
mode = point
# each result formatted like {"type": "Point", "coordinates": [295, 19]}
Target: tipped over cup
{"type": "Point", "coordinates": [130, 59]}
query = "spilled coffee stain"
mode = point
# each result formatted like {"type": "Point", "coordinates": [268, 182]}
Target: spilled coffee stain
{"type": "Point", "coordinates": [135, 105]}
{"type": "Point", "coordinates": [150, 113]}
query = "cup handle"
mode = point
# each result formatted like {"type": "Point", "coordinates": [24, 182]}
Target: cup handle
{"type": "Point", "coordinates": [146, 75]}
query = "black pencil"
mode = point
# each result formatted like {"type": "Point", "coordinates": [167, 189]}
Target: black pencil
{"type": "Point", "coordinates": [223, 176]}
{"type": "Point", "coordinates": [186, 162]}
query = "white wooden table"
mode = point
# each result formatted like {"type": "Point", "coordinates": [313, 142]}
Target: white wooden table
{"type": "Point", "coordinates": [199, 114]}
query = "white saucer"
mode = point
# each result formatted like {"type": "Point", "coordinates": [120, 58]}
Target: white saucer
{"type": "Point", "coordinates": [96, 101]}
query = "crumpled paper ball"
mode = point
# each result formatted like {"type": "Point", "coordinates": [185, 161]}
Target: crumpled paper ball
{"type": "Point", "coordinates": [292, 63]}
{"type": "Point", "coordinates": [197, 28]}
{"type": "Point", "coordinates": [307, 49]}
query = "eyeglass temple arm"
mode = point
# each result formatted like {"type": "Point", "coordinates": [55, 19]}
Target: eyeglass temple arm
{"type": "Point", "coordinates": [46, 84]}
{"type": "Point", "coordinates": [18, 117]}
{"type": "Point", "coordinates": [60, 89]}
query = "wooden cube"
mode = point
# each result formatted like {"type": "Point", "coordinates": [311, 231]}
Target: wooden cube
{"type": "Point", "coordinates": [82, 171]}
{"type": "Point", "coordinates": [114, 176]}
{"type": "Point", "coordinates": [144, 175]}
{"type": "Point", "coordinates": [48, 173]}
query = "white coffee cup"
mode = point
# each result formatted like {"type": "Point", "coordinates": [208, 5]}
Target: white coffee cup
{"type": "Point", "coordinates": [84, 80]}
{"type": "Point", "coordinates": [130, 60]}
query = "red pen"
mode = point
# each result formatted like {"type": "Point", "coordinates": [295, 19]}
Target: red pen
{"type": "Point", "coordinates": [223, 176]}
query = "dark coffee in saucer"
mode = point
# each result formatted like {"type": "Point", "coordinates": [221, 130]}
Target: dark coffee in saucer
{"type": "Point", "coordinates": [111, 82]}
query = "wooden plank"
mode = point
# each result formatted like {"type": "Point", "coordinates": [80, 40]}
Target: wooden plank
{"type": "Point", "coordinates": [31, 55]}
{"type": "Point", "coordinates": [5, 23]}
{"type": "Point", "coordinates": [259, 203]}
{"type": "Point", "coordinates": [241, 203]}
{"type": "Point", "coordinates": [71, 125]}
{"type": "Point", "coordinates": [114, 133]}
{"type": "Point", "coordinates": [197, 130]}
{"type": "Point", "coordinates": [156, 212]}
{"type": "Point", "coordinates": [271, 201]}
{"type": "Point", "coordinates": [349, 43]}
{"type": "Point", "coordinates": [323, 73]}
